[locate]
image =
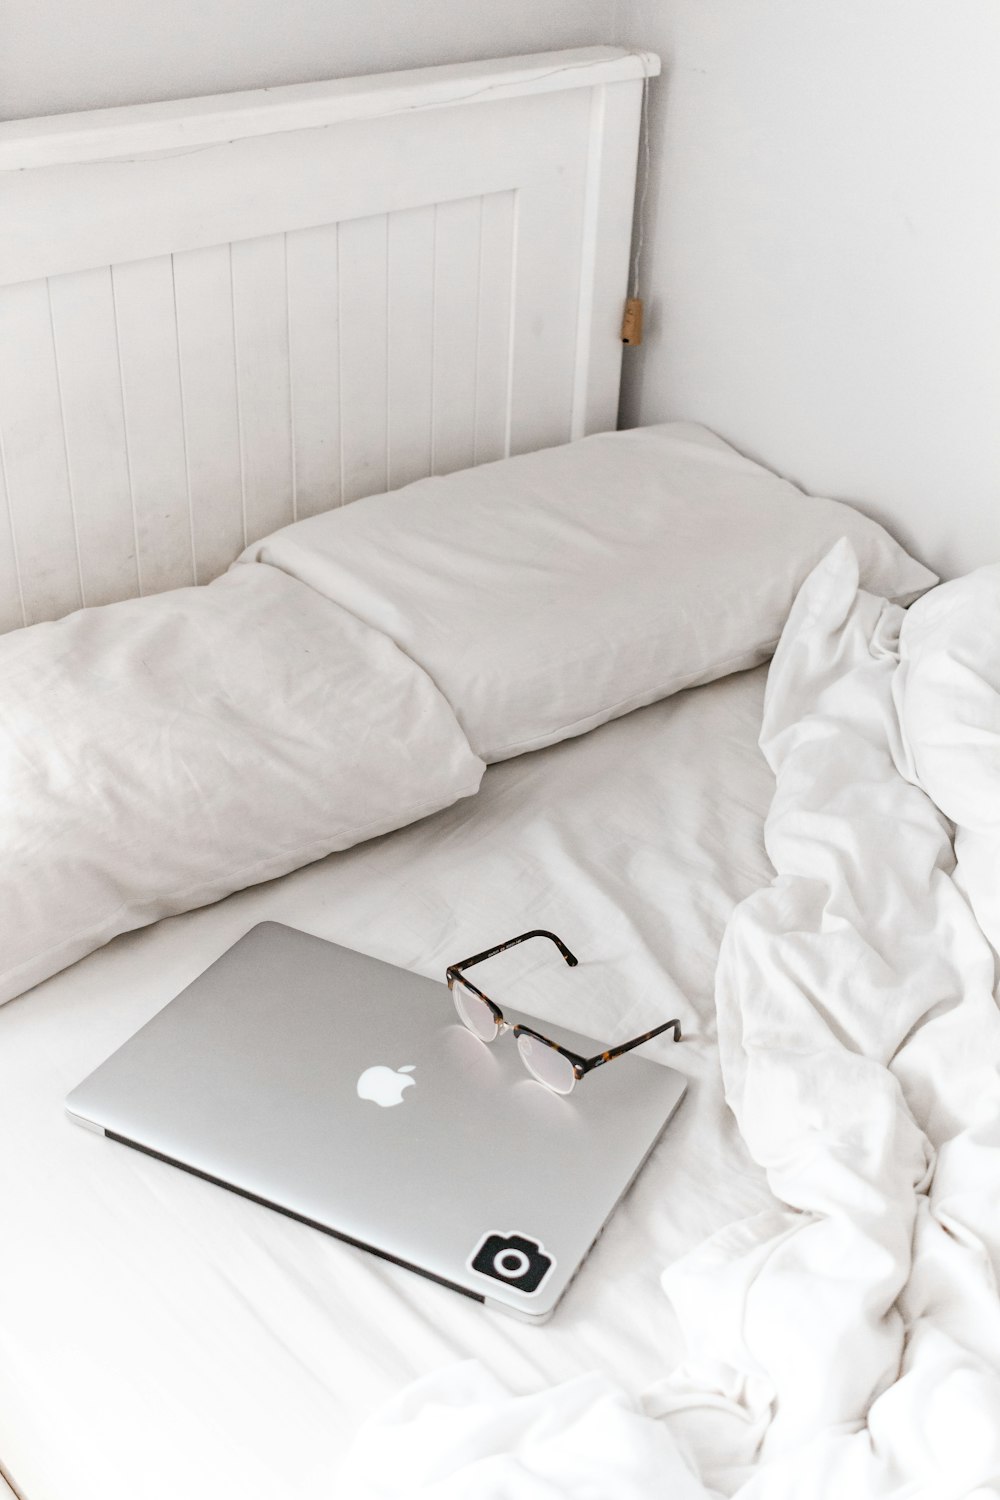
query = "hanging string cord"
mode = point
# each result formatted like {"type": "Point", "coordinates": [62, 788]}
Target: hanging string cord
{"type": "Point", "coordinates": [641, 212]}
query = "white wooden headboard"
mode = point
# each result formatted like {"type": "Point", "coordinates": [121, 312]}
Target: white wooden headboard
{"type": "Point", "coordinates": [218, 315]}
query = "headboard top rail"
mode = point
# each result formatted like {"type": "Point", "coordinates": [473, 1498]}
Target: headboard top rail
{"type": "Point", "coordinates": [186, 124]}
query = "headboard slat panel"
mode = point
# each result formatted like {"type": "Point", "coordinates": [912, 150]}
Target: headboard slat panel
{"type": "Point", "coordinates": [42, 525]}
{"type": "Point", "coordinates": [203, 297]}
{"type": "Point", "coordinates": [145, 316]}
{"type": "Point", "coordinates": [90, 383]}
{"type": "Point", "coordinates": [498, 241]}
{"type": "Point", "coordinates": [314, 352]}
{"type": "Point", "coordinates": [412, 239]}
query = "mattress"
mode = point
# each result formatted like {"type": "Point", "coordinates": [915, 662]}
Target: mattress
{"type": "Point", "coordinates": [160, 1336]}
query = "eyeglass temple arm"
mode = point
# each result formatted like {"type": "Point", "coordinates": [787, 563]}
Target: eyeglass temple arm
{"type": "Point", "coordinates": [603, 1057]}
{"type": "Point", "coordinates": [477, 958]}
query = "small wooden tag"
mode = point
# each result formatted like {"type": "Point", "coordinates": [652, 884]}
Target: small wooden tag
{"type": "Point", "coordinates": [632, 322]}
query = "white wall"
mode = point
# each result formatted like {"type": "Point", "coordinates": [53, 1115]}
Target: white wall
{"type": "Point", "coordinates": [823, 249]}
{"type": "Point", "coordinates": [58, 55]}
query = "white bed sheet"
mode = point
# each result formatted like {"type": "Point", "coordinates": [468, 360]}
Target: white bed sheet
{"type": "Point", "coordinates": [159, 1336]}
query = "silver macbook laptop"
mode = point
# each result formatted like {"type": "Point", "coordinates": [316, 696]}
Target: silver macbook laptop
{"type": "Point", "coordinates": [345, 1092]}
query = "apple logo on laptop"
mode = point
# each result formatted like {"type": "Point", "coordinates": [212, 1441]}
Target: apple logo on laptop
{"type": "Point", "coordinates": [385, 1086]}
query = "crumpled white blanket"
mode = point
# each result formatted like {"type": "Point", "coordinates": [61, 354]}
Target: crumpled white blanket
{"type": "Point", "coordinates": [458, 1433]}
{"type": "Point", "coordinates": [846, 1343]}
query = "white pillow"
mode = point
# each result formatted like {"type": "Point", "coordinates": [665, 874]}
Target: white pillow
{"type": "Point", "coordinates": [548, 593]}
{"type": "Point", "coordinates": [157, 754]}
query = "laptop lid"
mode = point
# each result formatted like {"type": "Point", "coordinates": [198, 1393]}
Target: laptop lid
{"type": "Point", "coordinates": [345, 1092]}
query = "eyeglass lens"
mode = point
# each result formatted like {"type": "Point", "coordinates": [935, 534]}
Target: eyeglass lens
{"type": "Point", "coordinates": [547, 1065]}
{"type": "Point", "coordinates": [475, 1013]}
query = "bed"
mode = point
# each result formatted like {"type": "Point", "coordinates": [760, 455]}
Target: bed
{"type": "Point", "coordinates": [767, 850]}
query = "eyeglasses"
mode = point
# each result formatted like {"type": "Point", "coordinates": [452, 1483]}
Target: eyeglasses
{"type": "Point", "coordinates": [555, 1066]}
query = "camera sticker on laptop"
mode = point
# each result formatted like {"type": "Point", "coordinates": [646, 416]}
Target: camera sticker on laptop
{"type": "Point", "coordinates": [514, 1260]}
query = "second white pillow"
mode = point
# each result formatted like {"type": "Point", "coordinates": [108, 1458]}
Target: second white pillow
{"type": "Point", "coordinates": [548, 593]}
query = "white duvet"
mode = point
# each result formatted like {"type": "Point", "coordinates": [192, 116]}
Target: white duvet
{"type": "Point", "coordinates": [846, 1341]}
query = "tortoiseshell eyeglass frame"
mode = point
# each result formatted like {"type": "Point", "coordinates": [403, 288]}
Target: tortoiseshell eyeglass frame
{"type": "Point", "coordinates": [581, 1065]}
